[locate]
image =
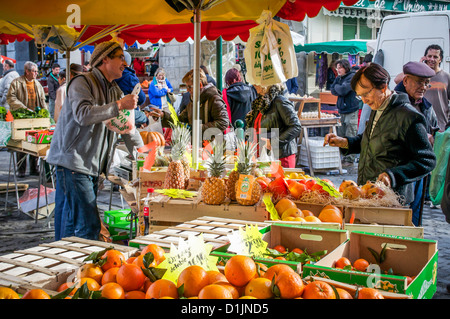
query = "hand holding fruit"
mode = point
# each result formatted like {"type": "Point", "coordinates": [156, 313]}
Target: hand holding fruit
{"type": "Point", "coordinates": [385, 179]}
{"type": "Point", "coordinates": [334, 140]}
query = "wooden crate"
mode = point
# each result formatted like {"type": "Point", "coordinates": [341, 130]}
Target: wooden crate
{"type": "Point", "coordinates": [379, 215]}
{"type": "Point", "coordinates": [214, 230]}
{"type": "Point", "coordinates": [169, 211]}
{"type": "Point", "coordinates": [51, 264]}
{"type": "Point", "coordinates": [20, 126]}
{"type": "Point", "coordinates": [40, 149]}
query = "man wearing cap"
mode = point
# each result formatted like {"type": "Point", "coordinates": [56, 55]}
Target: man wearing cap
{"type": "Point", "coordinates": [82, 146]}
{"type": "Point", "coordinates": [415, 83]}
{"type": "Point", "coordinates": [127, 82]}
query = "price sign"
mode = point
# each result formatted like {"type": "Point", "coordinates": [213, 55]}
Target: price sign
{"type": "Point", "coordinates": [247, 242]}
{"type": "Point", "coordinates": [194, 251]}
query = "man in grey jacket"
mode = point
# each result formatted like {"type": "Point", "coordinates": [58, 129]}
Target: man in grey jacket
{"type": "Point", "coordinates": [82, 146]}
{"type": "Point", "coordinates": [9, 74]}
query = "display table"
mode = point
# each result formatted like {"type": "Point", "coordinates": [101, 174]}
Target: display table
{"type": "Point", "coordinates": [37, 150]}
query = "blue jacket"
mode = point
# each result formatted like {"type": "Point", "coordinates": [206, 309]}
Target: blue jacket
{"type": "Point", "coordinates": [347, 101]}
{"type": "Point", "coordinates": [127, 83]}
{"type": "Point", "coordinates": [292, 85]}
{"type": "Point", "coordinates": [155, 94]}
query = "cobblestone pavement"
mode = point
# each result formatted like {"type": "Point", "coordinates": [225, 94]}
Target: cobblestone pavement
{"type": "Point", "coordinates": [19, 231]}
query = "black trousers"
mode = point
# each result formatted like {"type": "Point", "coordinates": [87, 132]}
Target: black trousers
{"type": "Point", "coordinates": [22, 167]}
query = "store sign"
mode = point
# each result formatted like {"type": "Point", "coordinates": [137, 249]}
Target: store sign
{"type": "Point", "coordinates": [380, 8]}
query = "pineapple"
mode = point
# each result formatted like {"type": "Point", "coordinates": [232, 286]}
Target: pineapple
{"type": "Point", "coordinates": [213, 189]}
{"type": "Point", "coordinates": [246, 153]}
{"type": "Point", "coordinates": [178, 171]}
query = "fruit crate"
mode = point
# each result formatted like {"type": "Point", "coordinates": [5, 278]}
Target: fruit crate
{"type": "Point", "coordinates": [311, 239]}
{"type": "Point", "coordinates": [49, 265]}
{"type": "Point", "coordinates": [406, 256]}
{"type": "Point", "coordinates": [21, 126]}
{"type": "Point", "coordinates": [321, 156]}
{"type": "Point", "coordinates": [215, 232]}
{"type": "Point", "coordinates": [398, 216]}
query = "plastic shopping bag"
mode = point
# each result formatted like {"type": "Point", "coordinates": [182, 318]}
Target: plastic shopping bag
{"type": "Point", "coordinates": [270, 53]}
{"type": "Point", "coordinates": [437, 181]}
{"type": "Point", "coordinates": [123, 123]}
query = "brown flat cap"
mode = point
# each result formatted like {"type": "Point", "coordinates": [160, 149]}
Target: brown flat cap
{"type": "Point", "coordinates": [418, 69]}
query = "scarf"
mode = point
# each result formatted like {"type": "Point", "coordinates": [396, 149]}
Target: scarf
{"type": "Point", "coordinates": [262, 105]}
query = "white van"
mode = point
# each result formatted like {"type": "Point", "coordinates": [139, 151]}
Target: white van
{"type": "Point", "coordinates": [404, 37]}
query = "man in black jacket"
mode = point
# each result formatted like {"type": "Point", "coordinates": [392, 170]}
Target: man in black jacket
{"type": "Point", "coordinates": [415, 83]}
{"type": "Point", "coordinates": [53, 85]}
{"type": "Point", "coordinates": [347, 104]}
{"type": "Point", "coordinates": [394, 148]}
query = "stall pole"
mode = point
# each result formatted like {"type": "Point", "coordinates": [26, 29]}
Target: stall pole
{"type": "Point", "coordinates": [196, 90]}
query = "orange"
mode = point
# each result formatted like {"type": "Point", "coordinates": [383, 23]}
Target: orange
{"type": "Point", "coordinates": [239, 270]}
{"type": "Point", "coordinates": [342, 262]}
{"type": "Point", "coordinates": [330, 216]}
{"type": "Point", "coordinates": [280, 248]}
{"type": "Point", "coordinates": [215, 292]}
{"type": "Point", "coordinates": [312, 219]}
{"type": "Point", "coordinates": [318, 290]}
{"type": "Point", "coordinates": [361, 264]}
{"type": "Point", "coordinates": [333, 207]}
{"type": "Point", "coordinates": [135, 294]}
{"type": "Point", "coordinates": [283, 204]}
{"type": "Point", "coordinates": [234, 291]}
{"type": "Point", "coordinates": [162, 288]}
{"type": "Point", "coordinates": [36, 294]}
{"type": "Point", "coordinates": [297, 189]}
{"type": "Point", "coordinates": [194, 278]}
{"type": "Point", "coordinates": [146, 285]}
{"type": "Point", "coordinates": [248, 297]}
{"type": "Point", "coordinates": [65, 286]}
{"type": "Point", "coordinates": [276, 270]}
{"type": "Point", "coordinates": [90, 271]}
{"type": "Point", "coordinates": [352, 193]}
{"type": "Point", "coordinates": [369, 293]}
{"type": "Point", "coordinates": [214, 275]}
{"type": "Point", "coordinates": [344, 294]}
{"type": "Point", "coordinates": [130, 277]}
{"type": "Point", "coordinates": [114, 258]}
{"type": "Point", "coordinates": [306, 213]}
{"type": "Point", "coordinates": [130, 260]}
{"type": "Point", "coordinates": [112, 290]}
{"type": "Point", "coordinates": [291, 212]}
{"type": "Point", "coordinates": [8, 293]}
{"type": "Point", "coordinates": [298, 251]}
{"type": "Point", "coordinates": [110, 275]}
{"type": "Point", "coordinates": [91, 283]}
{"type": "Point", "coordinates": [259, 288]}
{"type": "Point", "coordinates": [157, 251]}
{"type": "Point", "coordinates": [139, 261]}
{"type": "Point", "coordinates": [289, 284]}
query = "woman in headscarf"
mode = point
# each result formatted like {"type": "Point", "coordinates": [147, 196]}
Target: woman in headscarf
{"type": "Point", "coordinates": [272, 110]}
{"type": "Point", "coordinates": [158, 89]}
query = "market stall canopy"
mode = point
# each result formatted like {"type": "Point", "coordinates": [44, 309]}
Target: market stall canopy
{"type": "Point", "coordinates": [341, 47]}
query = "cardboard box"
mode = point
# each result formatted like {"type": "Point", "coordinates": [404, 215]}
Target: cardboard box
{"type": "Point", "coordinates": [406, 231]}
{"type": "Point", "coordinates": [379, 215]}
{"type": "Point", "coordinates": [39, 136]}
{"type": "Point", "coordinates": [406, 256]}
{"type": "Point", "coordinates": [113, 217]}
{"type": "Point", "coordinates": [311, 239]}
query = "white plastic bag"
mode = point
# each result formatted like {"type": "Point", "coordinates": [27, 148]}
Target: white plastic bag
{"type": "Point", "coordinates": [270, 53]}
{"type": "Point", "coordinates": [123, 123]}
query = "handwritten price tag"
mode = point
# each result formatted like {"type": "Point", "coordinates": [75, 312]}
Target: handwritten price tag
{"type": "Point", "coordinates": [247, 242]}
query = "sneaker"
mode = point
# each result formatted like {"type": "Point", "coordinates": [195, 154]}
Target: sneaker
{"type": "Point", "coordinates": [435, 206]}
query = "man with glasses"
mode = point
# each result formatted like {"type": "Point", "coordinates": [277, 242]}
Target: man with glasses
{"type": "Point", "coordinates": [415, 83]}
{"type": "Point", "coordinates": [347, 104]}
{"type": "Point", "coordinates": [394, 148]}
{"type": "Point", "coordinates": [26, 92]}
{"type": "Point", "coordinates": [82, 146]}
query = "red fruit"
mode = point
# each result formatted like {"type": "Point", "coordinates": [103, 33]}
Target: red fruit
{"type": "Point", "coordinates": [310, 183]}
{"type": "Point", "coordinates": [279, 187]}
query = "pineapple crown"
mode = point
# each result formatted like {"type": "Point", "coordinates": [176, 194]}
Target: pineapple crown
{"type": "Point", "coordinates": [215, 163]}
{"type": "Point", "coordinates": [181, 138]}
{"type": "Point", "coordinates": [246, 153]}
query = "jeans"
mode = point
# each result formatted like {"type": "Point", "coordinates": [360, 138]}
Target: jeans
{"type": "Point", "coordinates": [51, 108]}
{"type": "Point", "coordinates": [76, 212]}
{"type": "Point", "coordinates": [417, 203]}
